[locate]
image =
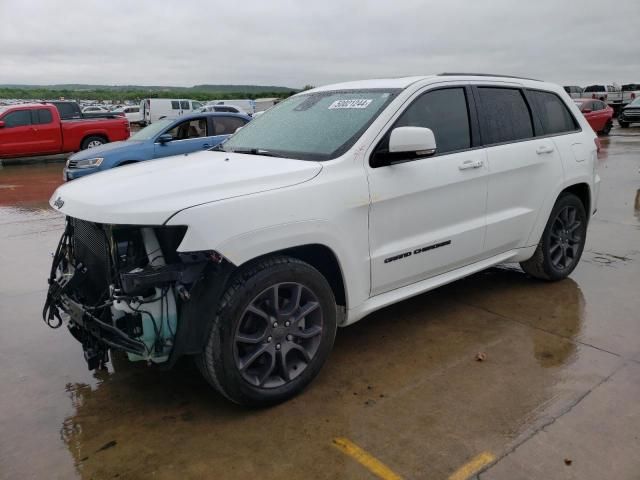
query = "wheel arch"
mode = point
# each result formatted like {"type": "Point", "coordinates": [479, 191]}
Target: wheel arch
{"type": "Point", "coordinates": [89, 135]}
{"type": "Point", "coordinates": [583, 192]}
{"type": "Point", "coordinates": [320, 257]}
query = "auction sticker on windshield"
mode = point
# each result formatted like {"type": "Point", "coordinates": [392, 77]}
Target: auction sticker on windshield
{"type": "Point", "coordinates": [353, 103]}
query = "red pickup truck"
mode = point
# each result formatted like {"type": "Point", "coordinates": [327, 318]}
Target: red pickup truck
{"type": "Point", "coordinates": [36, 129]}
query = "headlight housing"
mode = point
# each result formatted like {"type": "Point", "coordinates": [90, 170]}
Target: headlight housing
{"type": "Point", "coordinates": [87, 163]}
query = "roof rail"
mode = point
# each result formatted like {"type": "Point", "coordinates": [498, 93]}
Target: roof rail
{"type": "Point", "coordinates": [466, 74]}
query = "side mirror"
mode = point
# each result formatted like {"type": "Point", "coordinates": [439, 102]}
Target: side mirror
{"type": "Point", "coordinates": [417, 140]}
{"type": "Point", "coordinates": [165, 138]}
{"type": "Point", "coordinates": [1, 124]}
{"type": "Point", "coordinates": [406, 143]}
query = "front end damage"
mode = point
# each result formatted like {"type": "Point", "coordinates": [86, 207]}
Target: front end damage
{"type": "Point", "coordinates": [127, 288]}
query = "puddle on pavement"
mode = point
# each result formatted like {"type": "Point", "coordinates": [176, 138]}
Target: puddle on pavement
{"type": "Point", "coordinates": [29, 187]}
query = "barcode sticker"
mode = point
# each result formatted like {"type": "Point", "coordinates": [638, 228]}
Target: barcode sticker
{"type": "Point", "coordinates": [353, 103]}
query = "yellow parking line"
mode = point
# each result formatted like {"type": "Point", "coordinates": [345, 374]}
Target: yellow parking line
{"type": "Point", "coordinates": [371, 463]}
{"type": "Point", "coordinates": [472, 466]}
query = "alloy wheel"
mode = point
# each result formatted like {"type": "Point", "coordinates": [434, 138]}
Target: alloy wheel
{"type": "Point", "coordinates": [278, 335]}
{"type": "Point", "coordinates": [566, 238]}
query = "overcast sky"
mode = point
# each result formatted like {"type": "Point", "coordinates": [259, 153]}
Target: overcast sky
{"type": "Point", "coordinates": [293, 43]}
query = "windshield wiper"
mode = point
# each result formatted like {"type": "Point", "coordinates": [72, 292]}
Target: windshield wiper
{"type": "Point", "coordinates": [255, 151]}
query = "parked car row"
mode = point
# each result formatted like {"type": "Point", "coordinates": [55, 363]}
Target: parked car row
{"type": "Point", "coordinates": [613, 95]}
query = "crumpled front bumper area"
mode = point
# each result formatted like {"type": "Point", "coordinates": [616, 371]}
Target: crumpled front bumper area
{"type": "Point", "coordinates": [121, 287]}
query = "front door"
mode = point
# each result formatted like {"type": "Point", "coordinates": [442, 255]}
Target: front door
{"type": "Point", "coordinates": [427, 216]}
{"type": "Point", "coordinates": [188, 136]}
{"type": "Point", "coordinates": [17, 137]}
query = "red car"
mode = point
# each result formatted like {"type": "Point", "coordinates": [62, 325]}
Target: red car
{"type": "Point", "coordinates": [36, 129]}
{"type": "Point", "coordinates": [598, 114]}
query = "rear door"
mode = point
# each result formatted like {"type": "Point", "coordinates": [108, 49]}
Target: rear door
{"type": "Point", "coordinates": [427, 215]}
{"type": "Point", "coordinates": [520, 166]}
{"type": "Point", "coordinates": [224, 126]}
{"type": "Point", "coordinates": [17, 137]}
{"type": "Point", "coordinates": [185, 107]}
{"type": "Point", "coordinates": [48, 137]}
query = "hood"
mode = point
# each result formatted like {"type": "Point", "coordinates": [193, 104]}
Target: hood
{"type": "Point", "coordinates": [107, 148]}
{"type": "Point", "coordinates": [148, 193]}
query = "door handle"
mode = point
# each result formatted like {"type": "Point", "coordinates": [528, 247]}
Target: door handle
{"type": "Point", "coordinates": [467, 164]}
{"type": "Point", "coordinates": [542, 149]}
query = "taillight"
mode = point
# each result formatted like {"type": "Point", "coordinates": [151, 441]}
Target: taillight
{"type": "Point", "coordinates": [598, 145]}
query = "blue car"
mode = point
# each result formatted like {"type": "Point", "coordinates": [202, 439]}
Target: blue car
{"type": "Point", "coordinates": [162, 138]}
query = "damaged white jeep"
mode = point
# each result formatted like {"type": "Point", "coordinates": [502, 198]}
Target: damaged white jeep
{"type": "Point", "coordinates": [335, 203]}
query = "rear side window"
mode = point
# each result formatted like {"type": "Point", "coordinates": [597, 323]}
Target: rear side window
{"type": "Point", "coordinates": [597, 105]}
{"type": "Point", "coordinates": [66, 111]}
{"type": "Point", "coordinates": [227, 125]}
{"type": "Point", "coordinates": [445, 113]}
{"type": "Point", "coordinates": [184, 105]}
{"type": "Point", "coordinates": [504, 116]}
{"type": "Point", "coordinates": [19, 118]}
{"type": "Point", "coordinates": [175, 105]}
{"type": "Point", "coordinates": [41, 116]}
{"type": "Point", "coordinates": [553, 113]}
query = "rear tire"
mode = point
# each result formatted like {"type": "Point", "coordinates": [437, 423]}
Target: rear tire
{"type": "Point", "coordinates": [562, 242]}
{"type": "Point", "coordinates": [93, 141]}
{"type": "Point", "coordinates": [263, 351]}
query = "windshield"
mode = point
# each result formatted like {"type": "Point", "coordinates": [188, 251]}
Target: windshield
{"type": "Point", "coordinates": [314, 126]}
{"type": "Point", "coordinates": [152, 130]}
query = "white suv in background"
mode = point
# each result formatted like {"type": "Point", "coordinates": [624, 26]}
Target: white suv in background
{"type": "Point", "coordinates": [334, 203]}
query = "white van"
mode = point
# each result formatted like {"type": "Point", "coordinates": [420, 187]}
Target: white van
{"type": "Point", "coordinates": [156, 108]}
{"type": "Point", "coordinates": [247, 106]}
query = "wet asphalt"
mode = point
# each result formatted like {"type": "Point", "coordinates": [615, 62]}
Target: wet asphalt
{"type": "Point", "coordinates": [556, 394]}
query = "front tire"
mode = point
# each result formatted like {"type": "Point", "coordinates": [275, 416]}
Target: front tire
{"type": "Point", "coordinates": [272, 333]}
{"type": "Point", "coordinates": [562, 242]}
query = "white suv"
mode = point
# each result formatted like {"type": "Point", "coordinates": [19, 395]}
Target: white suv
{"type": "Point", "coordinates": [335, 203]}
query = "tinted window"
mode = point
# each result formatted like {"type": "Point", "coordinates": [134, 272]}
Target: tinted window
{"type": "Point", "coordinates": [445, 112]}
{"type": "Point", "coordinates": [598, 105]}
{"type": "Point", "coordinates": [227, 125]}
{"type": "Point", "coordinates": [184, 105]}
{"type": "Point", "coordinates": [504, 115]}
{"type": "Point", "coordinates": [595, 88]}
{"type": "Point", "coordinates": [19, 118]}
{"type": "Point", "coordinates": [196, 105]}
{"type": "Point", "coordinates": [66, 110]}
{"type": "Point", "coordinates": [41, 116]}
{"type": "Point", "coordinates": [175, 105]}
{"type": "Point", "coordinates": [553, 113]}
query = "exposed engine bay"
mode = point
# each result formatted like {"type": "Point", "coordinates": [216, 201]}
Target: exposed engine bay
{"type": "Point", "coordinates": [123, 287]}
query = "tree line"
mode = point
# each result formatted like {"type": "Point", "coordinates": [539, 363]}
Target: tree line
{"type": "Point", "coordinates": [136, 95]}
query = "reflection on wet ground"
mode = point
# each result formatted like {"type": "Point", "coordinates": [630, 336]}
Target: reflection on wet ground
{"type": "Point", "coordinates": [560, 377]}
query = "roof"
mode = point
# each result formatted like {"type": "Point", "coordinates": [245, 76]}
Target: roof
{"type": "Point", "coordinates": [404, 82]}
{"type": "Point", "coordinates": [401, 82]}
